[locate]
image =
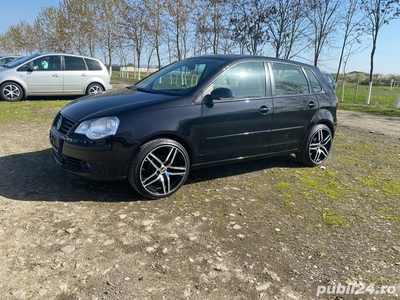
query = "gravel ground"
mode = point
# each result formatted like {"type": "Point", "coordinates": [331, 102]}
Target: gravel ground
{"type": "Point", "coordinates": [268, 229]}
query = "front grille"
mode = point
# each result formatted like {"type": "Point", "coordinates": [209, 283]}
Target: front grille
{"type": "Point", "coordinates": [63, 124]}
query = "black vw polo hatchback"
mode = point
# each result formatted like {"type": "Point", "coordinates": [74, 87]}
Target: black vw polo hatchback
{"type": "Point", "coordinates": [194, 113]}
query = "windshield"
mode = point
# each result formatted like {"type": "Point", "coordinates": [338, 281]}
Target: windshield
{"type": "Point", "coordinates": [179, 78]}
{"type": "Point", "coordinates": [20, 61]}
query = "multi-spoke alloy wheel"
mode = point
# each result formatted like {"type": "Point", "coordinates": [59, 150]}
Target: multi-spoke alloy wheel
{"type": "Point", "coordinates": [159, 168]}
{"type": "Point", "coordinates": [94, 88]}
{"type": "Point", "coordinates": [11, 91]}
{"type": "Point", "coordinates": [317, 146]}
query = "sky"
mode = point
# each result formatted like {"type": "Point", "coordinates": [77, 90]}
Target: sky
{"type": "Point", "coordinates": [387, 56]}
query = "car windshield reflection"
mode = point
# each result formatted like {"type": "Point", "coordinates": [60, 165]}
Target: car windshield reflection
{"type": "Point", "coordinates": [179, 78]}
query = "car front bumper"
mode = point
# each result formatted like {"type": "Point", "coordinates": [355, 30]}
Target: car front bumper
{"type": "Point", "coordinates": [105, 160]}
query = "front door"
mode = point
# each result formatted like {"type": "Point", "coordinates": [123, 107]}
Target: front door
{"type": "Point", "coordinates": [46, 76]}
{"type": "Point", "coordinates": [239, 127]}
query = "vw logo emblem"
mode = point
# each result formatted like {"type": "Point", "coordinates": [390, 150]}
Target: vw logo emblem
{"type": "Point", "coordinates": [59, 123]}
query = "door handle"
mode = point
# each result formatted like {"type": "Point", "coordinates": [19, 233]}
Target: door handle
{"type": "Point", "coordinates": [56, 75]}
{"type": "Point", "coordinates": [264, 109]}
{"type": "Point", "coordinates": [311, 104]}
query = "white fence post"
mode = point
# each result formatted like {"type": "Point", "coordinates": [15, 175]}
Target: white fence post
{"type": "Point", "coordinates": [124, 71]}
{"type": "Point", "coordinates": [397, 104]}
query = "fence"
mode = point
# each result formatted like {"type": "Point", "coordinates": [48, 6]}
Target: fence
{"type": "Point", "coordinates": [129, 72]}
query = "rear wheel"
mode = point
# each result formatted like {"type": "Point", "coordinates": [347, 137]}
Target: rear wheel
{"type": "Point", "coordinates": [317, 146]}
{"type": "Point", "coordinates": [10, 91]}
{"type": "Point", "coordinates": [94, 88]}
{"type": "Point", "coordinates": [159, 168]}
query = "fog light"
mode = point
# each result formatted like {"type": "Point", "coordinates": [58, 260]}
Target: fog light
{"type": "Point", "coordinates": [85, 166]}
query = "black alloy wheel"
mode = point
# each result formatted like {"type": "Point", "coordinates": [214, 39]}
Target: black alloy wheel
{"type": "Point", "coordinates": [317, 146]}
{"type": "Point", "coordinates": [159, 168]}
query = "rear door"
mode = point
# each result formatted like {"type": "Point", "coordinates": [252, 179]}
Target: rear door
{"type": "Point", "coordinates": [76, 75]}
{"type": "Point", "coordinates": [238, 127]}
{"type": "Point", "coordinates": [294, 107]}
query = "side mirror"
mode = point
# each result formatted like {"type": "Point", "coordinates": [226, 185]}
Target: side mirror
{"type": "Point", "coordinates": [222, 94]}
{"type": "Point", "coordinates": [32, 68]}
{"type": "Point", "coordinates": [218, 94]}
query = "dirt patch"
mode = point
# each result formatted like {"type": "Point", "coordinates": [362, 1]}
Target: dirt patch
{"type": "Point", "coordinates": [371, 123]}
{"type": "Point", "coordinates": [268, 229]}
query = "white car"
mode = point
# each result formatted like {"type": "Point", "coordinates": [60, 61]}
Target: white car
{"type": "Point", "coordinates": [7, 59]}
{"type": "Point", "coordinates": [48, 74]}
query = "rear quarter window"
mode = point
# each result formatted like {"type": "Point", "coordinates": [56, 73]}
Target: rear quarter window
{"type": "Point", "coordinates": [316, 87]}
{"type": "Point", "coordinates": [93, 65]}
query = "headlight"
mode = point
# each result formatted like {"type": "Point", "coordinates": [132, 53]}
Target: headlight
{"type": "Point", "coordinates": [98, 128]}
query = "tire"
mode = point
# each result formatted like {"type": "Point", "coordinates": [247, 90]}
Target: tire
{"type": "Point", "coordinates": [94, 88]}
{"type": "Point", "coordinates": [317, 146]}
{"type": "Point", "coordinates": [10, 91]}
{"type": "Point", "coordinates": [159, 168]}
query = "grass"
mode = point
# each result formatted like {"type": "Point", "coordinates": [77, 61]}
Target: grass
{"type": "Point", "coordinates": [30, 111]}
{"type": "Point", "coordinates": [131, 77]}
{"type": "Point", "coordinates": [382, 100]}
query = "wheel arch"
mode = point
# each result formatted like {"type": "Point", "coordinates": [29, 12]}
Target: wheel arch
{"type": "Point", "coordinates": [170, 136]}
{"type": "Point", "coordinates": [94, 82]}
{"type": "Point", "coordinates": [325, 117]}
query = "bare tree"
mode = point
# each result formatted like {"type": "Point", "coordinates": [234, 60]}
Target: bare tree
{"type": "Point", "coordinates": [18, 39]}
{"type": "Point", "coordinates": [135, 24]}
{"type": "Point", "coordinates": [177, 21]}
{"type": "Point", "coordinates": [108, 14]}
{"type": "Point", "coordinates": [52, 25]}
{"type": "Point", "coordinates": [81, 27]}
{"type": "Point", "coordinates": [323, 17]}
{"type": "Point", "coordinates": [248, 23]}
{"type": "Point", "coordinates": [154, 26]}
{"type": "Point", "coordinates": [285, 27]}
{"type": "Point", "coordinates": [351, 34]}
{"type": "Point", "coordinates": [212, 24]}
{"type": "Point", "coordinates": [377, 14]}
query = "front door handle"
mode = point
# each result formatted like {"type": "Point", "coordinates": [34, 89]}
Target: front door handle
{"type": "Point", "coordinates": [264, 109]}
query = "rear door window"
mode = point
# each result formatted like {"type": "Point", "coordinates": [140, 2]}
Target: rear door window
{"type": "Point", "coordinates": [73, 63]}
{"type": "Point", "coordinates": [289, 79]}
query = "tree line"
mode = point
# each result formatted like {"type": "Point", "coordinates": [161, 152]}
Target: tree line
{"type": "Point", "coordinates": [168, 30]}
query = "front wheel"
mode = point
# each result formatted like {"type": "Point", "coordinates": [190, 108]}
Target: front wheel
{"type": "Point", "coordinates": [10, 91]}
{"type": "Point", "coordinates": [159, 168]}
{"type": "Point", "coordinates": [317, 146]}
{"type": "Point", "coordinates": [94, 88]}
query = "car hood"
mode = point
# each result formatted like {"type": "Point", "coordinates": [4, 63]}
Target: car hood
{"type": "Point", "coordinates": [112, 102]}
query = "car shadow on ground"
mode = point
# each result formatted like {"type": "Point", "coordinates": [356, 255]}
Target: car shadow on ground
{"type": "Point", "coordinates": [35, 176]}
{"type": "Point", "coordinates": [52, 98]}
